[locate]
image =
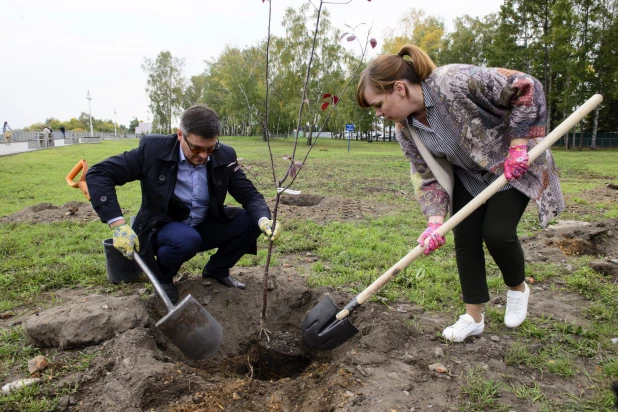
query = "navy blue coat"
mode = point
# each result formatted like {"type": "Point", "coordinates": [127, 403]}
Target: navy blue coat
{"type": "Point", "coordinates": [155, 163]}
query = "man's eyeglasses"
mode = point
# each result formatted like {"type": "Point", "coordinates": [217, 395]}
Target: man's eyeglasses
{"type": "Point", "coordinates": [198, 150]}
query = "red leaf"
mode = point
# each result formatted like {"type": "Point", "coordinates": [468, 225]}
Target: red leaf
{"type": "Point", "coordinates": [335, 99]}
{"type": "Point", "coordinates": [299, 164]}
{"type": "Point", "coordinates": [326, 95]}
{"type": "Point", "coordinates": [325, 105]}
{"type": "Point", "coordinates": [293, 170]}
{"type": "Point", "coordinates": [351, 38]}
{"type": "Point", "coordinates": [343, 35]}
{"type": "Point", "coordinates": [373, 42]}
{"type": "Point", "coordinates": [286, 157]}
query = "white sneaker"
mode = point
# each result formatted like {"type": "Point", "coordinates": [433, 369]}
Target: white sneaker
{"type": "Point", "coordinates": [516, 307]}
{"type": "Point", "coordinates": [465, 326]}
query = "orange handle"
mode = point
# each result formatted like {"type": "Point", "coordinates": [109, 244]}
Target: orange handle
{"type": "Point", "coordinates": [81, 183]}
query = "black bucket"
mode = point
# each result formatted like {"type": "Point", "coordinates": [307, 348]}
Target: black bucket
{"type": "Point", "coordinates": [119, 268]}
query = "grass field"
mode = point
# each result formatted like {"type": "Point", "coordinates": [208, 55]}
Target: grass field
{"type": "Point", "coordinates": [36, 259]}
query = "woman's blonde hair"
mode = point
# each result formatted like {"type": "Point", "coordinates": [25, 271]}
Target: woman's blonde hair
{"type": "Point", "coordinates": [383, 71]}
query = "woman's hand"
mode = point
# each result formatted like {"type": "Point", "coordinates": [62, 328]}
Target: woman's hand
{"type": "Point", "coordinates": [516, 162]}
{"type": "Point", "coordinates": [435, 240]}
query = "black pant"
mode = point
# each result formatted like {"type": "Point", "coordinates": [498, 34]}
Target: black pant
{"type": "Point", "coordinates": [176, 243]}
{"type": "Point", "coordinates": [495, 223]}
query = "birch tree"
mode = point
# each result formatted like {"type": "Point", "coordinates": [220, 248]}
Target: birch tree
{"type": "Point", "coordinates": [165, 86]}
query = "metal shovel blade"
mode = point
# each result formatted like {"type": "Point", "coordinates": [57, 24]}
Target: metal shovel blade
{"type": "Point", "coordinates": [192, 329]}
{"type": "Point", "coordinates": [322, 329]}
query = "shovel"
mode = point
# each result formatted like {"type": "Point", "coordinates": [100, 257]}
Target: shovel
{"type": "Point", "coordinates": [188, 326]}
{"type": "Point", "coordinates": [326, 327]}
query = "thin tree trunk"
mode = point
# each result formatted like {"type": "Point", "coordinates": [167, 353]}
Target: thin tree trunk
{"type": "Point", "coordinates": [304, 96]}
{"type": "Point", "coordinates": [549, 99]}
{"type": "Point", "coordinates": [595, 125]}
{"type": "Point", "coordinates": [310, 135]}
{"type": "Point", "coordinates": [593, 142]}
{"type": "Point", "coordinates": [564, 115]}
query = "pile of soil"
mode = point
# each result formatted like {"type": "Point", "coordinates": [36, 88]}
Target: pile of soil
{"type": "Point", "coordinates": [48, 213]}
{"type": "Point", "coordinates": [570, 238]}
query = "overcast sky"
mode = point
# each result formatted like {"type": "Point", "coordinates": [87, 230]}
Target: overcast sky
{"type": "Point", "coordinates": [53, 52]}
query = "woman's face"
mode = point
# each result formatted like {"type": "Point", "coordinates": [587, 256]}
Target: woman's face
{"type": "Point", "coordinates": [396, 105]}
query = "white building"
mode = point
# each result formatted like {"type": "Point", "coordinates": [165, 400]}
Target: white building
{"type": "Point", "coordinates": [144, 128]}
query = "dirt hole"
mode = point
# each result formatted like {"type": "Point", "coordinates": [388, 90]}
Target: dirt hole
{"type": "Point", "coordinates": [301, 200]}
{"type": "Point", "coordinates": [275, 360]}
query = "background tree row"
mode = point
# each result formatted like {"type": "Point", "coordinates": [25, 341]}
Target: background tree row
{"type": "Point", "coordinates": [82, 124]}
{"type": "Point", "coordinates": [569, 45]}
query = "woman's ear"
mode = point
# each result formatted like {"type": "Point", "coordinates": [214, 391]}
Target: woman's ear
{"type": "Point", "coordinates": [401, 89]}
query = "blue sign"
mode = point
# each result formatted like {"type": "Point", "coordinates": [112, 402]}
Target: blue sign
{"type": "Point", "coordinates": [349, 127]}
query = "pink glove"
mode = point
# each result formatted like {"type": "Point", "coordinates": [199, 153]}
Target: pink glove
{"type": "Point", "coordinates": [516, 163]}
{"type": "Point", "coordinates": [435, 240]}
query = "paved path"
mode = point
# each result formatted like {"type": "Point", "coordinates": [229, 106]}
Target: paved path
{"type": "Point", "coordinates": [21, 147]}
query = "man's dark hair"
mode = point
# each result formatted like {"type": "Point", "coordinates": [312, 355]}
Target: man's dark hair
{"type": "Point", "coordinates": [200, 120]}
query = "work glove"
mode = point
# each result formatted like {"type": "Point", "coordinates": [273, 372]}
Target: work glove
{"type": "Point", "coordinates": [435, 240]}
{"type": "Point", "coordinates": [516, 162]}
{"type": "Point", "coordinates": [266, 226]}
{"type": "Point", "coordinates": [126, 240]}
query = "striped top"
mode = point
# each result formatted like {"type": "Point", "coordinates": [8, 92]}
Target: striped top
{"type": "Point", "coordinates": [443, 144]}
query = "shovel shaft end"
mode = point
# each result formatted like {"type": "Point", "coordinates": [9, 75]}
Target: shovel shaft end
{"type": "Point", "coordinates": [349, 308]}
{"type": "Point", "coordinates": [343, 314]}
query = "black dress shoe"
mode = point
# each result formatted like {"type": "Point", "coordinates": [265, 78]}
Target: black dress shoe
{"type": "Point", "coordinates": [230, 282]}
{"type": "Point", "coordinates": [171, 291]}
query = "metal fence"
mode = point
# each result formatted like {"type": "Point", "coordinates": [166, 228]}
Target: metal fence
{"type": "Point", "coordinates": [601, 141]}
{"type": "Point", "coordinates": [28, 135]}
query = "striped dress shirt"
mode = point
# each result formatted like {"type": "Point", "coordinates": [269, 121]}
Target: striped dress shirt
{"type": "Point", "coordinates": [441, 143]}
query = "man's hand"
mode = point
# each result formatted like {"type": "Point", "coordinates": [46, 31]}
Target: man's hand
{"type": "Point", "coordinates": [266, 226]}
{"type": "Point", "coordinates": [126, 240]}
{"type": "Point", "coordinates": [516, 162]}
{"type": "Point", "coordinates": [435, 240]}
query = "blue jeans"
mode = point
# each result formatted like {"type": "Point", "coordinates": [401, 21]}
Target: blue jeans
{"type": "Point", "coordinates": [175, 243]}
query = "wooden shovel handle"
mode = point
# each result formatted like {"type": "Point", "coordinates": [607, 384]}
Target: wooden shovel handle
{"type": "Point", "coordinates": [81, 183]}
{"type": "Point", "coordinates": [535, 152]}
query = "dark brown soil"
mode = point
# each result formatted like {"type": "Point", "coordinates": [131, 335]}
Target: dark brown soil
{"type": "Point", "coordinates": [385, 367]}
{"type": "Point", "coordinates": [48, 213]}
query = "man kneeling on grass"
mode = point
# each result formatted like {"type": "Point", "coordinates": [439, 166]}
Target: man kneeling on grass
{"type": "Point", "coordinates": [185, 178]}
